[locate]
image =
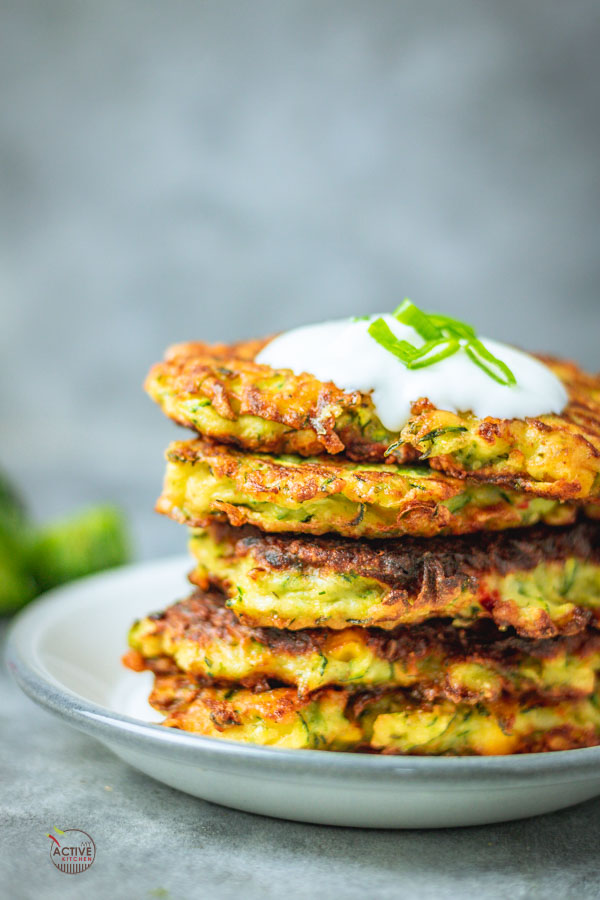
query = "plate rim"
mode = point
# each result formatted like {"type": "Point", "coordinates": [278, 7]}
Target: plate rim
{"type": "Point", "coordinates": [110, 726]}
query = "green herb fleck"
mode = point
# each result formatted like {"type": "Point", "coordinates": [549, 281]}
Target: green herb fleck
{"type": "Point", "coordinates": [393, 447]}
{"type": "Point", "coordinates": [438, 432]}
{"type": "Point", "coordinates": [454, 504]}
{"type": "Point", "coordinates": [359, 516]}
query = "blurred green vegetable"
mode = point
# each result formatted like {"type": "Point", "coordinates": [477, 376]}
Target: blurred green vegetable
{"type": "Point", "coordinates": [13, 513]}
{"type": "Point", "coordinates": [34, 559]}
{"type": "Point", "coordinates": [17, 584]}
{"type": "Point", "coordinates": [80, 545]}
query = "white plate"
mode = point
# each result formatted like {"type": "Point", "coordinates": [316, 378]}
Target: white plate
{"type": "Point", "coordinates": [65, 649]}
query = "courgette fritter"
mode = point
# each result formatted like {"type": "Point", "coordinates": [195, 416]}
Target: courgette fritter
{"type": "Point", "coordinates": [542, 581]}
{"type": "Point", "coordinates": [392, 721]}
{"type": "Point", "coordinates": [203, 637]}
{"type": "Point", "coordinates": [222, 393]}
{"type": "Point", "coordinates": [206, 481]}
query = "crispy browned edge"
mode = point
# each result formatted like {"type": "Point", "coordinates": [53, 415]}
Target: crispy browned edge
{"type": "Point", "coordinates": [313, 407]}
{"type": "Point", "coordinates": [426, 572]}
{"type": "Point", "coordinates": [177, 694]}
{"type": "Point", "coordinates": [418, 510]}
{"type": "Point", "coordinates": [204, 618]}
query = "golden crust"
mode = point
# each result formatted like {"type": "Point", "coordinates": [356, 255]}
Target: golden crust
{"type": "Point", "coordinates": [278, 717]}
{"type": "Point", "coordinates": [542, 581]}
{"type": "Point", "coordinates": [207, 481]}
{"type": "Point", "coordinates": [277, 411]}
{"type": "Point", "coordinates": [306, 409]}
{"type": "Point", "coordinates": [376, 721]}
{"type": "Point", "coordinates": [203, 637]}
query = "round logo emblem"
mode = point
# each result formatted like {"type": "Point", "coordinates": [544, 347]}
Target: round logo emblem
{"type": "Point", "coordinates": [72, 851]}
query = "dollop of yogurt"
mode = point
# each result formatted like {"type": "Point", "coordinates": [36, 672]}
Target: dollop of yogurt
{"type": "Point", "coordinates": [344, 352]}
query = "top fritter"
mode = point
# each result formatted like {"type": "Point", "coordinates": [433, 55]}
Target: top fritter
{"type": "Point", "coordinates": [477, 410]}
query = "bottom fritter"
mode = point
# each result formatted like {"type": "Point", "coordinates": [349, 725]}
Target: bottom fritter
{"type": "Point", "coordinates": [390, 721]}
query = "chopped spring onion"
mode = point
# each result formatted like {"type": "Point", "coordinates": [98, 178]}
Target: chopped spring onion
{"type": "Point", "coordinates": [441, 333]}
{"type": "Point", "coordinates": [383, 334]}
{"type": "Point", "coordinates": [478, 352]}
{"type": "Point", "coordinates": [409, 314]}
{"type": "Point", "coordinates": [424, 358]}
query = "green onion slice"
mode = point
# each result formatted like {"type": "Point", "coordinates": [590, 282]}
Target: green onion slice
{"type": "Point", "coordinates": [422, 359]}
{"type": "Point", "coordinates": [453, 326]}
{"type": "Point", "coordinates": [479, 352]}
{"type": "Point", "coordinates": [409, 314]}
{"type": "Point", "coordinates": [442, 334]}
{"type": "Point", "coordinates": [383, 334]}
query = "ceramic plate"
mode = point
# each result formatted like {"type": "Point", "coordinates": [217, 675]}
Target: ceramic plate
{"type": "Point", "coordinates": [65, 650]}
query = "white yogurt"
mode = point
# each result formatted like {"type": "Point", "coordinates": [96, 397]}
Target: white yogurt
{"type": "Point", "coordinates": [345, 353]}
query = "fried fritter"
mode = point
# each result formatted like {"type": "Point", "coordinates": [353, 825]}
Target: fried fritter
{"type": "Point", "coordinates": [387, 722]}
{"type": "Point", "coordinates": [203, 637]}
{"type": "Point", "coordinates": [223, 394]}
{"type": "Point", "coordinates": [542, 581]}
{"type": "Point", "coordinates": [494, 729]}
{"type": "Point", "coordinates": [206, 482]}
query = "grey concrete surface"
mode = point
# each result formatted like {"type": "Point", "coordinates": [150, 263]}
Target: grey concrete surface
{"type": "Point", "coordinates": [153, 842]}
{"type": "Point", "coordinates": [222, 169]}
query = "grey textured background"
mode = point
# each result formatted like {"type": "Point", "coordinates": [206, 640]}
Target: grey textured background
{"type": "Point", "coordinates": [223, 169]}
{"type": "Point", "coordinates": [216, 170]}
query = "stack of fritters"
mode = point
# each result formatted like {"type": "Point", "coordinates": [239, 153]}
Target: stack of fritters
{"type": "Point", "coordinates": [433, 591]}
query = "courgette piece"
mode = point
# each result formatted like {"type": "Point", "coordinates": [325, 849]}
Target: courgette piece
{"type": "Point", "coordinates": [17, 585]}
{"type": "Point", "coordinates": [79, 545]}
